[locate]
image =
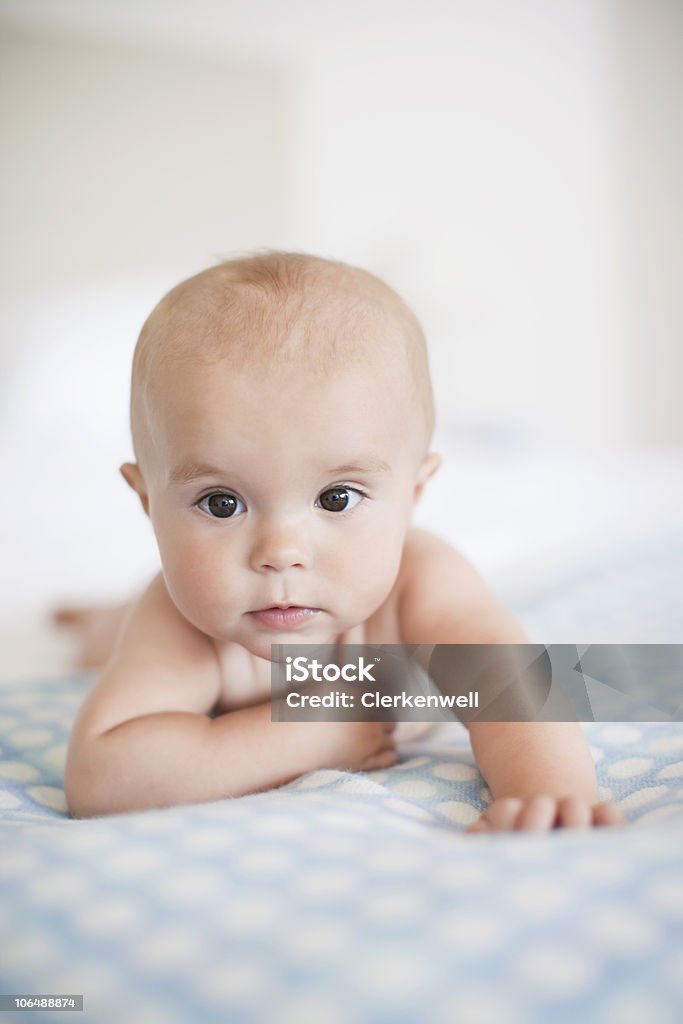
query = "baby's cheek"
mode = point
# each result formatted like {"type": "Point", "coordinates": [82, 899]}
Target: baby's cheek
{"type": "Point", "coordinates": [375, 573]}
{"type": "Point", "coordinates": [199, 588]}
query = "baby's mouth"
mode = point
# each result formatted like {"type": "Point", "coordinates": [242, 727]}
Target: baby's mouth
{"type": "Point", "coordinates": [284, 616]}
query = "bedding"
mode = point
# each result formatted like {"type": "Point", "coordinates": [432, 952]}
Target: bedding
{"type": "Point", "coordinates": [342, 896]}
{"type": "Point", "coordinates": [351, 897]}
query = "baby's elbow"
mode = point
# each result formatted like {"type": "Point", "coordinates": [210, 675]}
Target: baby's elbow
{"type": "Point", "coordinates": [85, 797]}
{"type": "Point", "coordinates": [78, 801]}
{"type": "Point", "coordinates": [78, 809]}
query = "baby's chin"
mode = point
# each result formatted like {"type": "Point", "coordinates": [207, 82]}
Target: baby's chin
{"type": "Point", "coordinates": [274, 646]}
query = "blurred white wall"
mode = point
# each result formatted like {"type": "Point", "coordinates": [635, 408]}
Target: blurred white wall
{"type": "Point", "coordinates": [473, 164]}
{"type": "Point", "coordinates": [514, 169]}
{"type": "Point", "coordinates": [125, 169]}
{"type": "Point", "coordinates": [647, 41]}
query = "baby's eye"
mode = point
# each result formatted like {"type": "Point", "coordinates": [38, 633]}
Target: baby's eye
{"type": "Point", "coordinates": [221, 504]}
{"type": "Point", "coordinates": [339, 499]}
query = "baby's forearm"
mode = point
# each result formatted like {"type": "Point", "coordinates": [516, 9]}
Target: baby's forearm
{"type": "Point", "coordinates": [171, 758]}
{"type": "Point", "coordinates": [524, 759]}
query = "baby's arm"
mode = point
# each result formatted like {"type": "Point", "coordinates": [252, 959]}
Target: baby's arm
{"type": "Point", "coordinates": [143, 737]}
{"type": "Point", "coordinates": [540, 774]}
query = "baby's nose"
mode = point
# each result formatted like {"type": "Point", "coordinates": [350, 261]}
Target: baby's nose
{"type": "Point", "coordinates": [281, 547]}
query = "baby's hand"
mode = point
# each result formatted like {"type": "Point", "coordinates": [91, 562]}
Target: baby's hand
{"type": "Point", "coordinates": [540, 813]}
{"type": "Point", "coordinates": [357, 746]}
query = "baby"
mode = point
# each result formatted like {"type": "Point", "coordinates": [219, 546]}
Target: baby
{"type": "Point", "coordinates": [281, 416]}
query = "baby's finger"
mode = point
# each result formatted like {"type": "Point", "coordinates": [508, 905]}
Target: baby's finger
{"type": "Point", "coordinates": [574, 813]}
{"type": "Point", "coordinates": [481, 825]}
{"type": "Point", "coordinates": [608, 814]}
{"type": "Point", "coordinates": [502, 813]}
{"type": "Point", "coordinates": [537, 815]}
{"type": "Point", "coordinates": [384, 759]}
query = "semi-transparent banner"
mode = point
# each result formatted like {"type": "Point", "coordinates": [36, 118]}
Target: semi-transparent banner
{"type": "Point", "coordinates": [478, 682]}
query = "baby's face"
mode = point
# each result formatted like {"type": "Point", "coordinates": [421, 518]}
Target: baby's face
{"type": "Point", "coordinates": [307, 504]}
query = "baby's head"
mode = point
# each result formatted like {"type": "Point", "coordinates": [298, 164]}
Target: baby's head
{"type": "Point", "coordinates": [281, 413]}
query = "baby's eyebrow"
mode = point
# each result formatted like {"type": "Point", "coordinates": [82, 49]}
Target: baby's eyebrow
{"type": "Point", "coordinates": [193, 470]}
{"type": "Point", "coordinates": [369, 465]}
{"type": "Point", "coordinates": [188, 471]}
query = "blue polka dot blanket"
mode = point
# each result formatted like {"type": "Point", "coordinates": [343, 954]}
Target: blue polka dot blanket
{"type": "Point", "coordinates": [341, 897]}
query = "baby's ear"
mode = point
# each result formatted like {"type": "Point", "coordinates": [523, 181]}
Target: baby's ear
{"type": "Point", "coordinates": [130, 472]}
{"type": "Point", "coordinates": [428, 468]}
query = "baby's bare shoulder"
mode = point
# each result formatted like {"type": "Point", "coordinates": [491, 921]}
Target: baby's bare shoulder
{"type": "Point", "coordinates": [161, 663]}
{"type": "Point", "coordinates": [430, 563]}
{"type": "Point", "coordinates": [443, 599]}
{"type": "Point", "coordinates": [425, 553]}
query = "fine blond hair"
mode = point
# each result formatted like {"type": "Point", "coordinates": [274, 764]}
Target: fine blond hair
{"type": "Point", "coordinates": [270, 306]}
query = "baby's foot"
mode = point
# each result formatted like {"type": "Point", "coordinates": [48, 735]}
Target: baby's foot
{"type": "Point", "coordinates": [97, 627]}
